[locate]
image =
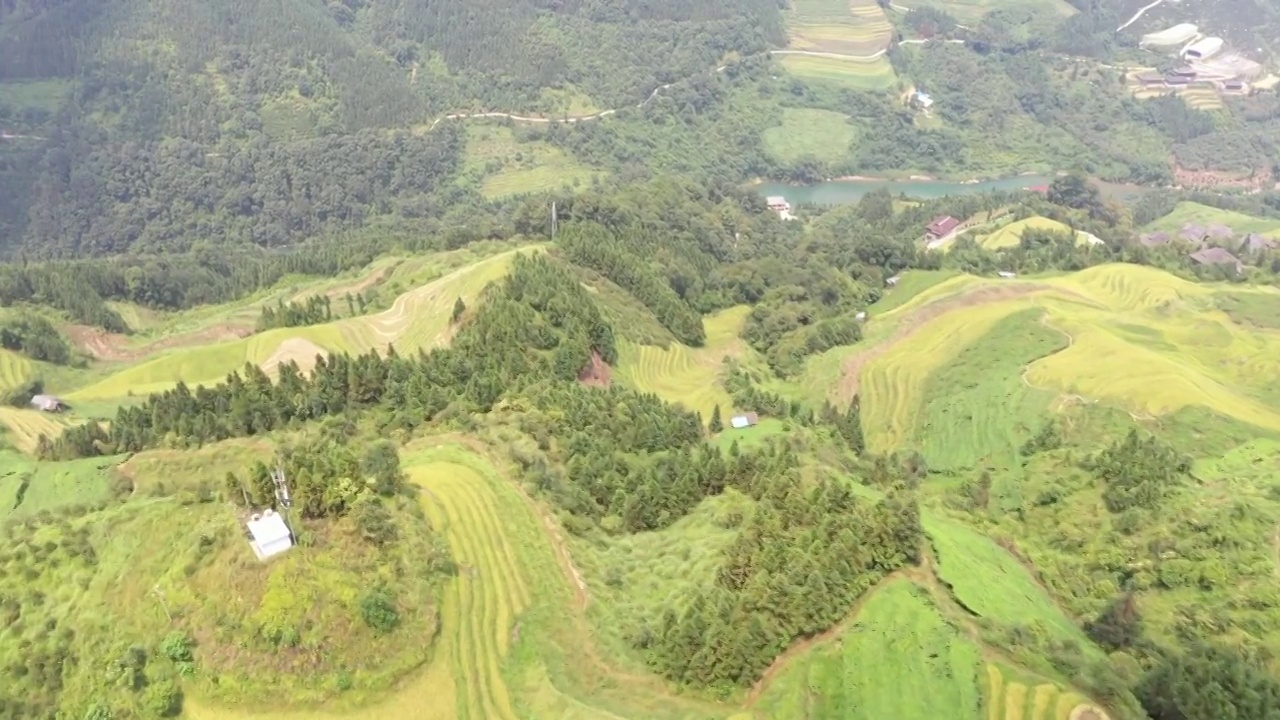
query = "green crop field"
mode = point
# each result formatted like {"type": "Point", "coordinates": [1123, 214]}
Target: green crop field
{"type": "Point", "coordinates": [26, 426]}
{"type": "Point", "coordinates": [1190, 213]}
{"type": "Point", "coordinates": [977, 407]}
{"type": "Point", "coordinates": [972, 11]}
{"type": "Point", "coordinates": [418, 319]}
{"type": "Point", "coordinates": [856, 74]}
{"type": "Point", "coordinates": [910, 284]}
{"type": "Point", "coordinates": [807, 133]}
{"type": "Point", "coordinates": [508, 167]}
{"type": "Point", "coordinates": [685, 375]}
{"type": "Point", "coordinates": [1011, 235]}
{"type": "Point", "coordinates": [898, 659]}
{"type": "Point", "coordinates": [992, 583]}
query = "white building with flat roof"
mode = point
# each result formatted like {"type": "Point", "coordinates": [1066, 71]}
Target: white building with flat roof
{"type": "Point", "coordinates": [269, 535]}
{"type": "Point", "coordinates": [1203, 48]}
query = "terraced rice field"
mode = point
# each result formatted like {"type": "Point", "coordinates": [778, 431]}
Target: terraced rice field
{"type": "Point", "coordinates": [419, 319]}
{"type": "Point", "coordinates": [1015, 699]}
{"type": "Point", "coordinates": [685, 375]}
{"type": "Point", "coordinates": [873, 74]}
{"type": "Point", "coordinates": [1011, 235]}
{"type": "Point", "coordinates": [846, 27]}
{"type": "Point", "coordinates": [24, 427]}
{"type": "Point", "coordinates": [14, 370]}
{"type": "Point", "coordinates": [1136, 338]}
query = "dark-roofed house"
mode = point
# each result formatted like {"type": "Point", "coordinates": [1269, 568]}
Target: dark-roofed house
{"type": "Point", "coordinates": [1257, 243]}
{"type": "Point", "coordinates": [1150, 78]}
{"type": "Point", "coordinates": [1193, 233]}
{"type": "Point", "coordinates": [1220, 231]}
{"type": "Point", "coordinates": [941, 227]}
{"type": "Point", "coordinates": [1177, 80]}
{"type": "Point", "coordinates": [1155, 239]}
{"type": "Point", "coordinates": [1216, 256]}
{"type": "Point", "coordinates": [48, 403]}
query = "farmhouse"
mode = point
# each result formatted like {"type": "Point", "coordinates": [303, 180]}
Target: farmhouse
{"type": "Point", "coordinates": [48, 403]}
{"type": "Point", "coordinates": [941, 227]}
{"type": "Point", "coordinates": [1257, 243]}
{"type": "Point", "coordinates": [1216, 256]}
{"type": "Point", "coordinates": [1150, 79]}
{"type": "Point", "coordinates": [1155, 239]}
{"type": "Point", "coordinates": [741, 422]}
{"type": "Point", "coordinates": [1203, 48]}
{"type": "Point", "coordinates": [268, 534]}
{"type": "Point", "coordinates": [777, 203]}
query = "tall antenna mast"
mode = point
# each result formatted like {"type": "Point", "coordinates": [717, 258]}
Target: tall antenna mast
{"type": "Point", "coordinates": [554, 220]}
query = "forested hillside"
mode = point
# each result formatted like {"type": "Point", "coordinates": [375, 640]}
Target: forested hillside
{"type": "Point", "coordinates": [148, 125]}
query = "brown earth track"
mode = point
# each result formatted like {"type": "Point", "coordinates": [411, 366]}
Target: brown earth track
{"type": "Point", "coordinates": [851, 374]}
{"type": "Point", "coordinates": [597, 373]}
{"type": "Point", "coordinates": [115, 347]}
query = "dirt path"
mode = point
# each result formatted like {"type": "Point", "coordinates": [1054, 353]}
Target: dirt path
{"type": "Point", "coordinates": [104, 345]}
{"type": "Point", "coordinates": [1139, 14]}
{"type": "Point", "coordinates": [851, 374]}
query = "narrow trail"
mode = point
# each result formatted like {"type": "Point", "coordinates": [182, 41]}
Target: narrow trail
{"type": "Point", "coordinates": [10, 136]}
{"type": "Point", "coordinates": [541, 119]}
{"type": "Point", "coordinates": [1138, 14]}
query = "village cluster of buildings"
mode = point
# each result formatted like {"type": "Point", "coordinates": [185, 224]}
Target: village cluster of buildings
{"type": "Point", "coordinates": [1205, 61]}
{"type": "Point", "coordinates": [1213, 243]}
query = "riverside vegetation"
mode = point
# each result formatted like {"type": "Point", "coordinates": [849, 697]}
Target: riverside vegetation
{"type": "Point", "coordinates": [957, 436]}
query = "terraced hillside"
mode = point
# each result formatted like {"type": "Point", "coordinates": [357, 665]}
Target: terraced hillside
{"type": "Point", "coordinates": [1126, 335]}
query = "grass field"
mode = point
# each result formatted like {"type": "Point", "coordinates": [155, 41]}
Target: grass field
{"type": "Point", "coordinates": [1189, 213]}
{"type": "Point", "coordinates": [977, 409]}
{"type": "Point", "coordinates": [807, 133]}
{"type": "Point", "coordinates": [503, 166]}
{"type": "Point", "coordinates": [899, 659]}
{"type": "Point", "coordinates": [43, 95]}
{"type": "Point", "coordinates": [992, 583]}
{"type": "Point", "coordinates": [418, 319]}
{"type": "Point", "coordinates": [684, 375]}
{"type": "Point", "coordinates": [874, 74]}
{"type": "Point", "coordinates": [25, 427]}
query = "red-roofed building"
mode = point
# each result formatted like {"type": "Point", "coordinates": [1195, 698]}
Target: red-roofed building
{"type": "Point", "coordinates": [1042, 189]}
{"type": "Point", "coordinates": [941, 227]}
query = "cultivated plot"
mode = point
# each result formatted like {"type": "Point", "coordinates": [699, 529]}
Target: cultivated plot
{"type": "Point", "coordinates": [845, 72]}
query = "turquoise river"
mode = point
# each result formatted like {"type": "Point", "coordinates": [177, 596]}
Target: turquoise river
{"type": "Point", "coordinates": [839, 192]}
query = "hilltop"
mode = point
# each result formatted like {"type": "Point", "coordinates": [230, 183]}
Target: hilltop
{"type": "Point", "coordinates": [517, 489]}
{"type": "Point", "coordinates": [132, 127]}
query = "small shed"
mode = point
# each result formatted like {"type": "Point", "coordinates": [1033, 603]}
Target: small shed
{"type": "Point", "coordinates": [941, 227]}
{"type": "Point", "coordinates": [893, 280]}
{"type": "Point", "coordinates": [1216, 256]}
{"type": "Point", "coordinates": [269, 535]}
{"type": "Point", "coordinates": [861, 316]}
{"type": "Point", "coordinates": [48, 403]}
{"type": "Point", "coordinates": [923, 100]}
{"type": "Point", "coordinates": [1007, 275]}
{"type": "Point", "coordinates": [740, 422]}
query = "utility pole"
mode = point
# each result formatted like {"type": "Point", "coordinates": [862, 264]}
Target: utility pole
{"type": "Point", "coordinates": [160, 596]}
{"type": "Point", "coordinates": [554, 220]}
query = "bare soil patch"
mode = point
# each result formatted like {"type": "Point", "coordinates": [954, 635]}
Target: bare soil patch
{"type": "Point", "coordinates": [1088, 712]}
{"type": "Point", "coordinates": [851, 377]}
{"type": "Point", "coordinates": [297, 350]}
{"type": "Point", "coordinates": [597, 373]}
{"type": "Point", "coordinates": [115, 347]}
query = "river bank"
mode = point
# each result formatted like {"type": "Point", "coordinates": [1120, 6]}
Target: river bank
{"type": "Point", "coordinates": [840, 191]}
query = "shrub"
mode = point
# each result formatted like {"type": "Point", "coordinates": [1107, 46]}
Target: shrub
{"type": "Point", "coordinates": [378, 609]}
{"type": "Point", "coordinates": [177, 646]}
{"type": "Point", "coordinates": [163, 699]}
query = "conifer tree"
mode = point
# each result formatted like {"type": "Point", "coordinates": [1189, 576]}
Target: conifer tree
{"type": "Point", "coordinates": [716, 423]}
{"type": "Point", "coordinates": [459, 307]}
